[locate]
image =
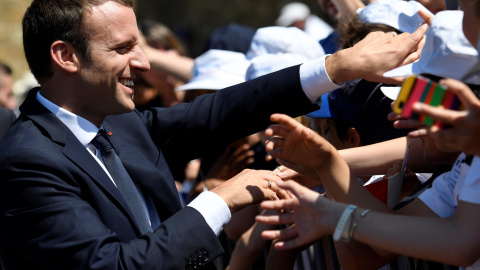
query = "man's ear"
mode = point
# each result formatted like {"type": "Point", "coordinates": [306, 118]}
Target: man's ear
{"type": "Point", "coordinates": [64, 56]}
{"type": "Point", "coordinates": [353, 138]}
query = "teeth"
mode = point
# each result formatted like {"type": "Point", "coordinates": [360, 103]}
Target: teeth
{"type": "Point", "coordinates": [128, 83]}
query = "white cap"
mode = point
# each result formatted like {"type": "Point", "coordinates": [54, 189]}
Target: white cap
{"type": "Point", "coordinates": [391, 91]}
{"type": "Point", "coordinates": [292, 12]}
{"type": "Point", "coordinates": [268, 63]}
{"type": "Point", "coordinates": [277, 39]}
{"type": "Point", "coordinates": [399, 14]}
{"type": "Point", "coordinates": [446, 53]}
{"type": "Point", "coordinates": [217, 69]}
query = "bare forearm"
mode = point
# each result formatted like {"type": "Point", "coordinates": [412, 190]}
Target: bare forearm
{"type": "Point", "coordinates": [449, 241]}
{"type": "Point", "coordinates": [342, 186]}
{"type": "Point", "coordinates": [376, 158]}
{"type": "Point", "coordinates": [173, 64]}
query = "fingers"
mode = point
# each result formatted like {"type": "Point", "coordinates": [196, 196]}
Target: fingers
{"type": "Point", "coordinates": [288, 233]}
{"type": "Point", "coordinates": [276, 130]}
{"type": "Point", "coordinates": [426, 16]}
{"type": "Point", "coordinates": [277, 205]}
{"type": "Point", "coordinates": [419, 133]}
{"type": "Point", "coordinates": [285, 120]}
{"type": "Point", "coordinates": [412, 57]}
{"type": "Point", "coordinates": [408, 124]}
{"type": "Point", "coordinates": [463, 92]}
{"type": "Point", "coordinates": [417, 36]}
{"type": "Point", "coordinates": [281, 193]}
{"type": "Point", "coordinates": [440, 114]}
{"type": "Point", "coordinates": [275, 219]}
{"type": "Point", "coordinates": [273, 143]}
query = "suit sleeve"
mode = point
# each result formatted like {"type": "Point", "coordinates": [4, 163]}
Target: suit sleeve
{"type": "Point", "coordinates": [227, 115]}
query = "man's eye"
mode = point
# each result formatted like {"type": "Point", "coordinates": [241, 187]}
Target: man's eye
{"type": "Point", "coordinates": [123, 50]}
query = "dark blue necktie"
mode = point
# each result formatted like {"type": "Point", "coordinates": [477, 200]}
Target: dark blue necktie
{"type": "Point", "coordinates": [122, 180]}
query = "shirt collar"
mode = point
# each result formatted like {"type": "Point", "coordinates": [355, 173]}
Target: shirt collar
{"type": "Point", "coordinates": [83, 129]}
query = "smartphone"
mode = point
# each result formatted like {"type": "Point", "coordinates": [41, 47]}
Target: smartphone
{"type": "Point", "coordinates": [417, 88]}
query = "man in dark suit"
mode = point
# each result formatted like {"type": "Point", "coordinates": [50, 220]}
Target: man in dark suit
{"type": "Point", "coordinates": [61, 204]}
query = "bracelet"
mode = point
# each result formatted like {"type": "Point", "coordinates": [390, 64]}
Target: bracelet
{"type": "Point", "coordinates": [346, 217]}
{"type": "Point", "coordinates": [352, 229]}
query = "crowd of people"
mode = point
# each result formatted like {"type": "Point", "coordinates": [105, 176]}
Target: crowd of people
{"type": "Point", "coordinates": [276, 148]}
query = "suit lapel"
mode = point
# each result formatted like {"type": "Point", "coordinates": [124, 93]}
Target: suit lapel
{"type": "Point", "coordinates": [73, 149]}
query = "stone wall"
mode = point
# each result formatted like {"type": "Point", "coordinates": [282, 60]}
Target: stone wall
{"type": "Point", "coordinates": [11, 49]}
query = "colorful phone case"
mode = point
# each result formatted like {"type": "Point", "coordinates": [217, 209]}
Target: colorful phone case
{"type": "Point", "coordinates": [435, 101]}
{"type": "Point", "coordinates": [426, 93]}
{"type": "Point", "coordinates": [402, 98]}
{"type": "Point", "coordinates": [415, 96]}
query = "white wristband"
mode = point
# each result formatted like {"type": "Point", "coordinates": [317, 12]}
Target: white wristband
{"type": "Point", "coordinates": [344, 219]}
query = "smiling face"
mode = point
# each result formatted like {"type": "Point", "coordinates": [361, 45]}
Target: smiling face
{"type": "Point", "coordinates": [114, 60]}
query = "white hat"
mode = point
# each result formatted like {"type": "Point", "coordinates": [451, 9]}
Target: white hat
{"type": "Point", "coordinates": [291, 13]}
{"type": "Point", "coordinates": [268, 63]}
{"type": "Point", "coordinates": [217, 69]}
{"type": "Point", "coordinates": [446, 53]}
{"type": "Point", "coordinates": [277, 39]}
{"type": "Point", "coordinates": [399, 14]}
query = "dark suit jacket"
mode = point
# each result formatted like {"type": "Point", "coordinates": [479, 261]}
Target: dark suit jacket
{"type": "Point", "coordinates": [59, 210]}
{"type": "Point", "coordinates": [7, 117]}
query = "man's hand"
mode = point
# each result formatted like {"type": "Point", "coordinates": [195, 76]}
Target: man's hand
{"type": "Point", "coordinates": [376, 54]}
{"type": "Point", "coordinates": [250, 187]}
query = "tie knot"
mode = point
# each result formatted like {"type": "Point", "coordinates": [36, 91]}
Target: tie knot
{"type": "Point", "coordinates": [101, 141]}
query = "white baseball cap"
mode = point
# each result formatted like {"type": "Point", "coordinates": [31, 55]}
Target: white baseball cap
{"type": "Point", "coordinates": [268, 63]}
{"type": "Point", "coordinates": [217, 69]}
{"type": "Point", "coordinates": [277, 39]}
{"type": "Point", "coordinates": [446, 53]}
{"type": "Point", "coordinates": [291, 13]}
{"type": "Point", "coordinates": [399, 14]}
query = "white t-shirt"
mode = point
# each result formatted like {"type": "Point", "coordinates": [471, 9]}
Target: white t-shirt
{"type": "Point", "coordinates": [461, 183]}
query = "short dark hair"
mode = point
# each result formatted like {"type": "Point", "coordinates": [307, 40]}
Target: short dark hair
{"type": "Point", "coordinates": [355, 30]}
{"type": "Point", "coordinates": [47, 21]}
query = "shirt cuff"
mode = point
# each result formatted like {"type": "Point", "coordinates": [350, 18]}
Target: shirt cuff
{"type": "Point", "coordinates": [213, 209]}
{"type": "Point", "coordinates": [315, 80]}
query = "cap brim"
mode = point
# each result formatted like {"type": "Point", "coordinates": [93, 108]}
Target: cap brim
{"type": "Point", "coordinates": [400, 71]}
{"type": "Point", "coordinates": [200, 85]}
{"type": "Point", "coordinates": [325, 111]}
{"type": "Point", "coordinates": [391, 91]}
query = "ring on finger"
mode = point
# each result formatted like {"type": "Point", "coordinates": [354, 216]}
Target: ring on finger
{"type": "Point", "coordinates": [393, 33]}
{"type": "Point", "coordinates": [269, 184]}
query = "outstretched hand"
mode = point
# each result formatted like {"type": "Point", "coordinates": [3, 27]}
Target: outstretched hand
{"type": "Point", "coordinates": [313, 217]}
{"type": "Point", "coordinates": [297, 147]}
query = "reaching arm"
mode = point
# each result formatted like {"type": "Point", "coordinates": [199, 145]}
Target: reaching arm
{"type": "Point", "coordinates": [378, 158]}
{"type": "Point", "coordinates": [454, 240]}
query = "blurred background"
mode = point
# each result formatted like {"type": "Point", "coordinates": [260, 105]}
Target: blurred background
{"type": "Point", "coordinates": [192, 21]}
